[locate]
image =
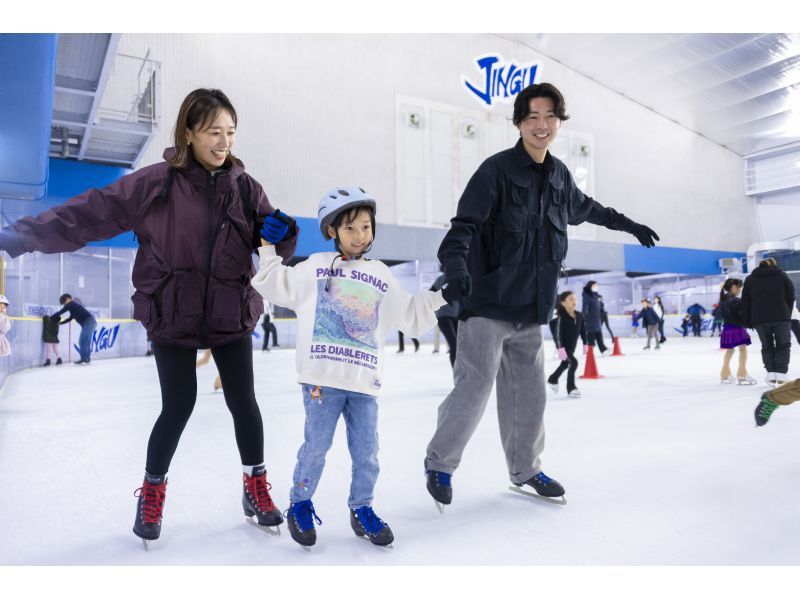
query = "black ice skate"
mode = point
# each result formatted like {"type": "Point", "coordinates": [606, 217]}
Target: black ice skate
{"type": "Point", "coordinates": [257, 503]}
{"type": "Point", "coordinates": [366, 524]}
{"type": "Point", "coordinates": [546, 489]}
{"type": "Point", "coordinates": [764, 410]}
{"type": "Point", "coordinates": [300, 519]}
{"type": "Point", "coordinates": [46, 363]}
{"type": "Point", "coordinates": [150, 508]}
{"type": "Point", "coordinates": [440, 487]}
{"type": "Point", "coordinates": [58, 361]}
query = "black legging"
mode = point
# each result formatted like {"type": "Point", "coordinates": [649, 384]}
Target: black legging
{"type": "Point", "coordinates": [176, 373]}
{"type": "Point", "coordinates": [449, 327]}
{"type": "Point", "coordinates": [572, 364]}
{"type": "Point", "coordinates": [796, 330]}
{"type": "Point", "coordinates": [604, 321]}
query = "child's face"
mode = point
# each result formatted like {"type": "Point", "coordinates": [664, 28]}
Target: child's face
{"type": "Point", "coordinates": [3, 308]}
{"type": "Point", "coordinates": [645, 304]}
{"type": "Point", "coordinates": [735, 290]}
{"type": "Point", "coordinates": [354, 237]}
{"type": "Point", "coordinates": [569, 303]}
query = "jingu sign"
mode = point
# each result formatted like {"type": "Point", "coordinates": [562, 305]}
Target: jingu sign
{"type": "Point", "coordinates": [502, 80]}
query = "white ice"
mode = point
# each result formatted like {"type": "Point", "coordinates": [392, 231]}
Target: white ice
{"type": "Point", "coordinates": [662, 465]}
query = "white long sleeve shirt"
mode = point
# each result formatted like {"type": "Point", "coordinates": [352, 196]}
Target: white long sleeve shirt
{"type": "Point", "coordinates": [341, 330]}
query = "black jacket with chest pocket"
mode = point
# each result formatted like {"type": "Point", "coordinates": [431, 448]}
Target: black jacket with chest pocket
{"type": "Point", "coordinates": [510, 234]}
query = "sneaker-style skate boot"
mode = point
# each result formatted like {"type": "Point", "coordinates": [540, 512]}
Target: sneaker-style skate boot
{"type": "Point", "coordinates": [764, 410]}
{"type": "Point", "coordinates": [257, 503]}
{"type": "Point", "coordinates": [366, 524]}
{"type": "Point", "coordinates": [150, 508]}
{"type": "Point", "coordinates": [440, 487]}
{"type": "Point", "coordinates": [546, 488]}
{"type": "Point", "coordinates": [300, 517]}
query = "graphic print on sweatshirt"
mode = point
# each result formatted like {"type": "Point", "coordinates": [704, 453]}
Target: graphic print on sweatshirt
{"type": "Point", "coordinates": [347, 314]}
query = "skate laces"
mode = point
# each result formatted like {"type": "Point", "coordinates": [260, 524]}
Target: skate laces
{"type": "Point", "coordinates": [442, 478]}
{"type": "Point", "coordinates": [153, 496]}
{"type": "Point", "coordinates": [302, 512]}
{"type": "Point", "coordinates": [371, 523]}
{"type": "Point", "coordinates": [542, 478]}
{"type": "Point", "coordinates": [258, 489]}
{"type": "Point", "coordinates": [766, 408]}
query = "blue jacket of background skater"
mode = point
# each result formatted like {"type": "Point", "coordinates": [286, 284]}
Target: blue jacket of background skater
{"type": "Point", "coordinates": [649, 315]}
{"type": "Point", "coordinates": [591, 311]}
{"type": "Point", "coordinates": [510, 234]}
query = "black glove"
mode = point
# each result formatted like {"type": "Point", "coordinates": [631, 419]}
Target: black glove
{"type": "Point", "coordinates": [457, 286]}
{"type": "Point", "coordinates": [644, 234]}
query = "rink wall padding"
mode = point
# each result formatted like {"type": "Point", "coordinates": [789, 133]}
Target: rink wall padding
{"type": "Point", "coordinates": [112, 338]}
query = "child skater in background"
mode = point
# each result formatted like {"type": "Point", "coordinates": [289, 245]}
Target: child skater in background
{"type": "Point", "coordinates": [567, 329]}
{"type": "Point", "coordinates": [345, 306]}
{"type": "Point", "coordinates": [733, 333]}
{"type": "Point", "coordinates": [50, 339]}
{"type": "Point", "coordinates": [5, 326]}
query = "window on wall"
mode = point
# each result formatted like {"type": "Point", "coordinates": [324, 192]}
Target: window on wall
{"type": "Point", "coordinates": [439, 147]}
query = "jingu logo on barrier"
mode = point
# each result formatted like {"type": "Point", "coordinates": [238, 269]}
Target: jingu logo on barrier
{"type": "Point", "coordinates": [102, 339]}
{"type": "Point", "coordinates": [502, 80]}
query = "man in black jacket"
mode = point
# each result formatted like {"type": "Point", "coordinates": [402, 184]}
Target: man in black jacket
{"type": "Point", "coordinates": [767, 299]}
{"type": "Point", "coordinates": [501, 259]}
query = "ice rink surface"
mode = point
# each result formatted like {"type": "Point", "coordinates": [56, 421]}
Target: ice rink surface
{"type": "Point", "coordinates": [662, 464]}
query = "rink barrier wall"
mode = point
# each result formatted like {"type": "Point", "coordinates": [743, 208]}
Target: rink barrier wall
{"type": "Point", "coordinates": [127, 338]}
{"type": "Point", "coordinates": [112, 338]}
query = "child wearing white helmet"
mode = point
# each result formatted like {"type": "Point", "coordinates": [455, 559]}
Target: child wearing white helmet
{"type": "Point", "coordinates": [345, 306]}
{"type": "Point", "coordinates": [5, 326]}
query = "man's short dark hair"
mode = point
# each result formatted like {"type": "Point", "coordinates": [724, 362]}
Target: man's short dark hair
{"type": "Point", "coordinates": [539, 90]}
{"type": "Point", "coordinates": [63, 299]}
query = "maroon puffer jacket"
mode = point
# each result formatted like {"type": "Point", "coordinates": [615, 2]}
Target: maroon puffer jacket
{"type": "Point", "coordinates": [193, 267]}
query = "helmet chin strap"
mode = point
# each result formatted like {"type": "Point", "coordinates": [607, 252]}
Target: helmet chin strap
{"type": "Point", "coordinates": [345, 258]}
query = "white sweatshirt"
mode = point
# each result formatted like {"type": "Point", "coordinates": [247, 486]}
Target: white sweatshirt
{"type": "Point", "coordinates": [341, 331]}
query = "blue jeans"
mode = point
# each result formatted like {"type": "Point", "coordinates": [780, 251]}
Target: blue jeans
{"type": "Point", "coordinates": [322, 414]}
{"type": "Point", "coordinates": [85, 339]}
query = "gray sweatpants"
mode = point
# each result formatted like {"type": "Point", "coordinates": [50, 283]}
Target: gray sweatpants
{"type": "Point", "coordinates": [513, 355]}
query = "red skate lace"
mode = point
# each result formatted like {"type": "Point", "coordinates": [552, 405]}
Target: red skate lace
{"type": "Point", "coordinates": [258, 489]}
{"type": "Point", "coordinates": [153, 503]}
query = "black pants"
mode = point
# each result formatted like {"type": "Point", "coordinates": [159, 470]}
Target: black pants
{"type": "Point", "coordinates": [796, 330]}
{"type": "Point", "coordinates": [717, 324]}
{"type": "Point", "coordinates": [176, 373]}
{"type": "Point", "coordinates": [596, 336]}
{"type": "Point", "coordinates": [696, 320]}
{"type": "Point", "coordinates": [662, 338]}
{"type": "Point", "coordinates": [572, 364]}
{"type": "Point", "coordinates": [449, 328]}
{"type": "Point", "coordinates": [268, 327]}
{"type": "Point", "coordinates": [776, 345]}
{"type": "Point", "coordinates": [400, 341]}
{"type": "Point", "coordinates": [604, 319]}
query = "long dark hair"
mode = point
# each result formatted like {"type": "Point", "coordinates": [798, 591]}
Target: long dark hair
{"type": "Point", "coordinates": [561, 298]}
{"type": "Point", "coordinates": [726, 287]}
{"type": "Point", "coordinates": [198, 111]}
{"type": "Point", "coordinates": [588, 287]}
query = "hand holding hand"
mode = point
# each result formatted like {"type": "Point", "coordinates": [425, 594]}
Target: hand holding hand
{"type": "Point", "coordinates": [457, 286]}
{"type": "Point", "coordinates": [276, 226]}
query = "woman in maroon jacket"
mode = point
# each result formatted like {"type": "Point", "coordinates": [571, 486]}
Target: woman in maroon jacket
{"type": "Point", "coordinates": [197, 217]}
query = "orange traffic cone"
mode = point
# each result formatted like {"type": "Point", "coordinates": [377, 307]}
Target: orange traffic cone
{"type": "Point", "coordinates": [590, 371]}
{"type": "Point", "coordinates": [617, 349]}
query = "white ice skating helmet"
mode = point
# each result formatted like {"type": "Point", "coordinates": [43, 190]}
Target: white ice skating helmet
{"type": "Point", "coordinates": [338, 200]}
{"type": "Point", "coordinates": [4, 300]}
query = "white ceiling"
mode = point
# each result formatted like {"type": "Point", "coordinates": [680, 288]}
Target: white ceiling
{"type": "Point", "coordinates": [740, 90]}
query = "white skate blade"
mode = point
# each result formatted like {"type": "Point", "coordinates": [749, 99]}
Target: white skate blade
{"type": "Point", "coordinates": [146, 544]}
{"type": "Point", "coordinates": [272, 530]}
{"type": "Point", "coordinates": [439, 506]}
{"type": "Point", "coordinates": [558, 500]}
{"type": "Point", "coordinates": [364, 537]}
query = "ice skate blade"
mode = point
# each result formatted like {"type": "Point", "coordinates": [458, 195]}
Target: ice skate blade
{"type": "Point", "coordinates": [272, 530]}
{"type": "Point", "coordinates": [557, 500]}
{"type": "Point", "coordinates": [439, 506]}
{"type": "Point", "coordinates": [146, 544]}
{"type": "Point", "coordinates": [364, 537]}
